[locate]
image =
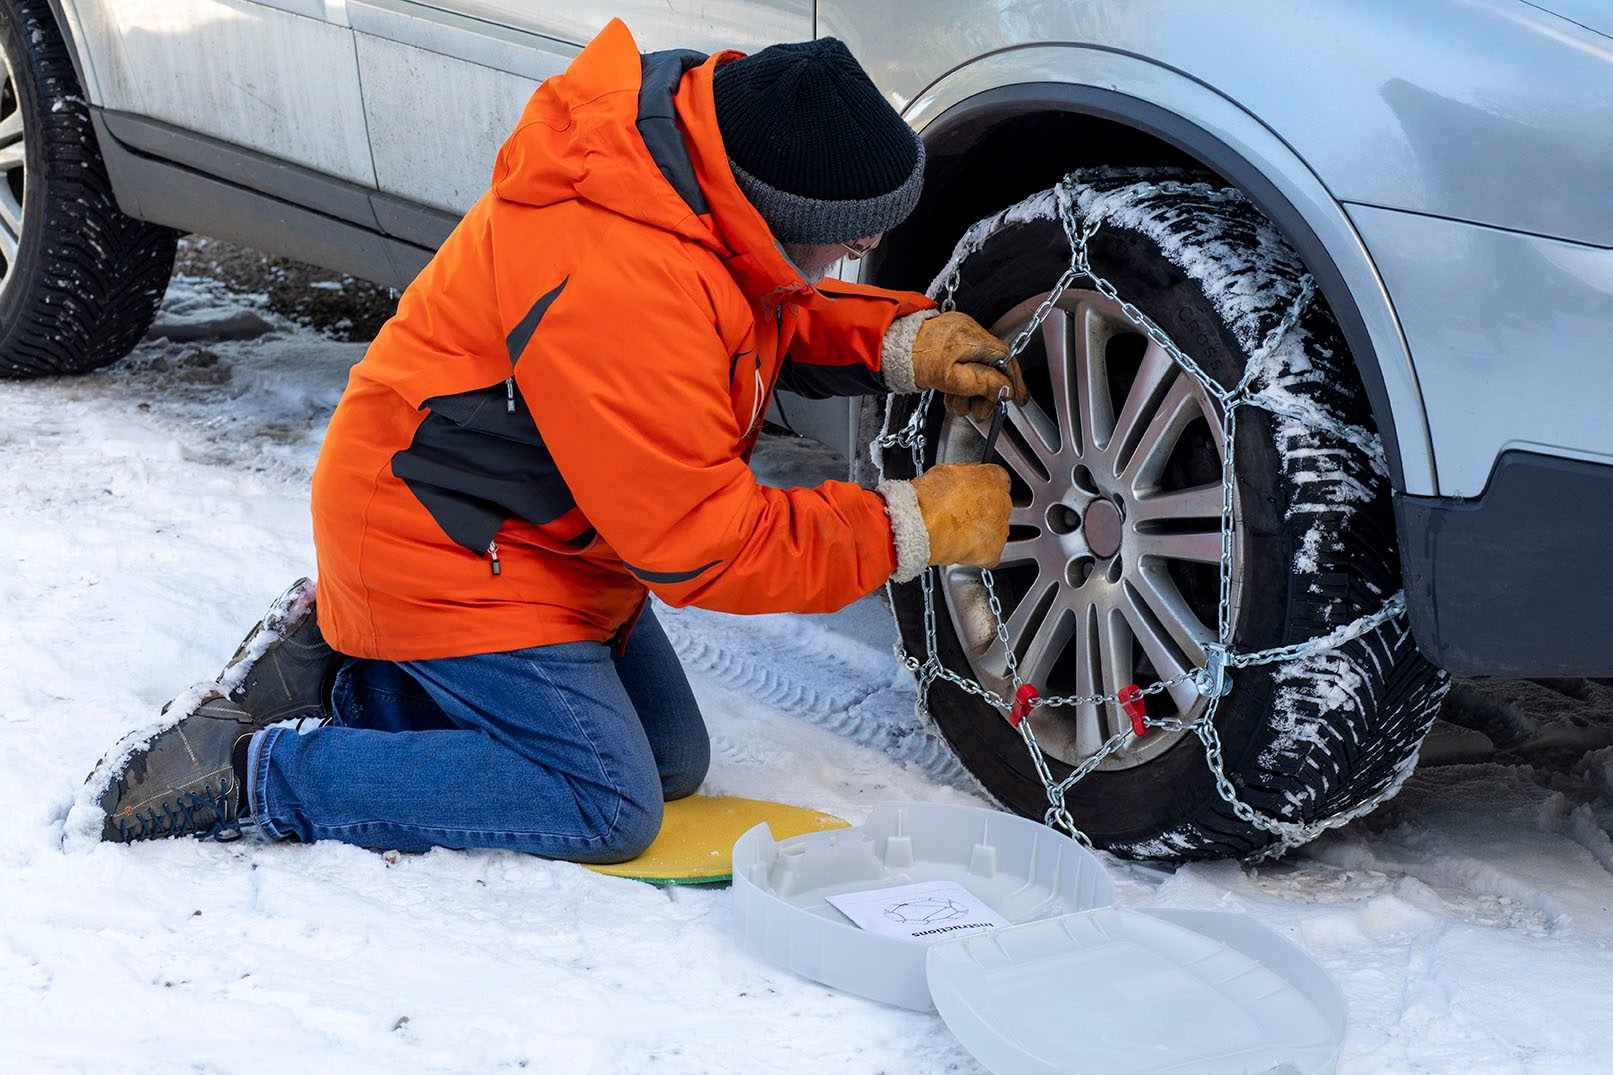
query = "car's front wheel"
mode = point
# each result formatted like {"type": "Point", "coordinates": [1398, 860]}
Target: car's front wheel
{"type": "Point", "coordinates": [79, 281]}
{"type": "Point", "coordinates": [1112, 573]}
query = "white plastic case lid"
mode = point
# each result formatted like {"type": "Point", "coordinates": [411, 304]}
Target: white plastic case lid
{"type": "Point", "coordinates": [1077, 986]}
{"type": "Point", "coordinates": [1123, 992]}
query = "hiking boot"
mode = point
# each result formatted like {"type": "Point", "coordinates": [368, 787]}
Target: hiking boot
{"type": "Point", "coordinates": [282, 668]}
{"type": "Point", "coordinates": [187, 781]}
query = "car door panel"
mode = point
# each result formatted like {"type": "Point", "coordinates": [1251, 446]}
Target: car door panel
{"type": "Point", "coordinates": [278, 77]}
{"type": "Point", "coordinates": [707, 25]}
{"type": "Point", "coordinates": [441, 93]}
{"type": "Point", "coordinates": [446, 80]}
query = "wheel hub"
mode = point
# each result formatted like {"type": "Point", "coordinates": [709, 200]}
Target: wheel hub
{"type": "Point", "coordinates": [1102, 528]}
{"type": "Point", "coordinates": [1111, 572]}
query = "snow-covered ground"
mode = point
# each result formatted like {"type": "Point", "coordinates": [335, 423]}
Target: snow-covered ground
{"type": "Point", "coordinates": [153, 510]}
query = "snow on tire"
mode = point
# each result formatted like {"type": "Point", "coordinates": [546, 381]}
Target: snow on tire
{"type": "Point", "coordinates": [1112, 571]}
{"type": "Point", "coordinates": [80, 281]}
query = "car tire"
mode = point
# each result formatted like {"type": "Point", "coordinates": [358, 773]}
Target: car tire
{"type": "Point", "coordinates": [1304, 739]}
{"type": "Point", "coordinates": [81, 280]}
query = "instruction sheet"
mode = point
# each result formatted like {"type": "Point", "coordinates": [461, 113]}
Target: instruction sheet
{"type": "Point", "coordinates": [928, 911]}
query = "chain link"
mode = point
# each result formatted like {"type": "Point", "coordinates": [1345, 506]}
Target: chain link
{"type": "Point", "coordinates": [1212, 681]}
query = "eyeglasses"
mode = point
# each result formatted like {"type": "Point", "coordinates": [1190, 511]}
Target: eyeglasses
{"type": "Point", "coordinates": [857, 249]}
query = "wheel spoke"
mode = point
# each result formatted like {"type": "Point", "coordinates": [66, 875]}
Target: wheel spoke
{"type": "Point", "coordinates": [1091, 721]}
{"type": "Point", "coordinates": [1094, 403]}
{"type": "Point", "coordinates": [1154, 447]}
{"type": "Point", "coordinates": [1056, 338]}
{"type": "Point", "coordinates": [1153, 374]}
{"type": "Point", "coordinates": [1201, 503]}
{"type": "Point", "coordinates": [1114, 657]}
{"type": "Point", "coordinates": [1162, 654]}
{"type": "Point", "coordinates": [11, 128]}
{"type": "Point", "coordinates": [8, 248]}
{"type": "Point", "coordinates": [1031, 467]}
{"type": "Point", "coordinates": [1024, 551]}
{"type": "Point", "coordinates": [1197, 548]}
{"type": "Point", "coordinates": [1048, 644]}
{"type": "Point", "coordinates": [1029, 615]}
{"type": "Point", "coordinates": [10, 212]}
{"type": "Point", "coordinates": [1039, 431]}
{"type": "Point", "coordinates": [1159, 592]}
{"type": "Point", "coordinates": [1025, 515]}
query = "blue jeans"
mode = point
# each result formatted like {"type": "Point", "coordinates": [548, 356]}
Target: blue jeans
{"type": "Point", "coordinates": [566, 751]}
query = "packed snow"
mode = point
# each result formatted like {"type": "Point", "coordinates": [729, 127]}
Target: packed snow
{"type": "Point", "coordinates": [154, 510]}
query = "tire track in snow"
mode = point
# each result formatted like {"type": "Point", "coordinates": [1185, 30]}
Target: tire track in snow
{"type": "Point", "coordinates": [803, 669]}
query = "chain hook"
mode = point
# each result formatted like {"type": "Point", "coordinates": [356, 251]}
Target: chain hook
{"type": "Point", "coordinates": [1212, 680]}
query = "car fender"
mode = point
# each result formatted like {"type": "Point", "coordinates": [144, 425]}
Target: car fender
{"type": "Point", "coordinates": [1228, 139]}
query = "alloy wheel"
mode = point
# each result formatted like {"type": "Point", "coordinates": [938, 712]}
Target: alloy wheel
{"type": "Point", "coordinates": [13, 169]}
{"type": "Point", "coordinates": [1111, 572]}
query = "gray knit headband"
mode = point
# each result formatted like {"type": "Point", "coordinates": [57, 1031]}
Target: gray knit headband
{"type": "Point", "coordinates": [794, 218]}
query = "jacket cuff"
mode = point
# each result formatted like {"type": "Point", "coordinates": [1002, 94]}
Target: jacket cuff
{"type": "Point", "coordinates": [908, 532]}
{"type": "Point", "coordinates": [896, 353]}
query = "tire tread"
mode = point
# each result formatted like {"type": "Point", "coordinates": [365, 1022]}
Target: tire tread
{"type": "Point", "coordinates": [100, 275]}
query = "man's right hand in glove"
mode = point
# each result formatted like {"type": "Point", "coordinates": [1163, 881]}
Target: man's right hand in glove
{"type": "Point", "coordinates": [953, 513]}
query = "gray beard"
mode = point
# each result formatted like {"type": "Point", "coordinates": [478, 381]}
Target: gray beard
{"type": "Point", "coordinates": [798, 253]}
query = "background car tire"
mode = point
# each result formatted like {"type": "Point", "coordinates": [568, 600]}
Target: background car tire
{"type": "Point", "coordinates": [1303, 740]}
{"type": "Point", "coordinates": [85, 280]}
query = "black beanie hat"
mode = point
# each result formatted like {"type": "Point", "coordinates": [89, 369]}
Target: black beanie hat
{"type": "Point", "coordinates": [820, 154]}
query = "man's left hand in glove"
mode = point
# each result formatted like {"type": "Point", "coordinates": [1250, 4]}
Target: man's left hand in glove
{"type": "Point", "coordinates": [954, 355]}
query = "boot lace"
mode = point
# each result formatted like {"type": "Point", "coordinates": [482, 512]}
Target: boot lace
{"type": "Point", "coordinates": [208, 814]}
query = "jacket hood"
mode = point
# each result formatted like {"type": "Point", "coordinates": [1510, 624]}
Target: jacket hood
{"type": "Point", "coordinates": [637, 135]}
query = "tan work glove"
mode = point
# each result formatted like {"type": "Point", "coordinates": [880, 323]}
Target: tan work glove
{"type": "Point", "coordinates": [953, 513]}
{"type": "Point", "coordinates": [955, 355]}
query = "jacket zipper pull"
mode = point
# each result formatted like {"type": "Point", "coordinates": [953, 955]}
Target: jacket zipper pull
{"type": "Point", "coordinates": [492, 552]}
{"type": "Point", "coordinates": [509, 400]}
{"type": "Point", "coordinates": [756, 404]}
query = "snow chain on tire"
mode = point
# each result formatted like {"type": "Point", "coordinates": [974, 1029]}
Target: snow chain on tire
{"type": "Point", "coordinates": [1213, 681]}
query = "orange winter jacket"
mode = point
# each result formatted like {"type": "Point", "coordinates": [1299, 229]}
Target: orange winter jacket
{"type": "Point", "coordinates": [559, 415]}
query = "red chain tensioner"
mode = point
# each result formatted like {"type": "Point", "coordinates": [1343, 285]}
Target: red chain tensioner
{"type": "Point", "coordinates": [1136, 707]}
{"type": "Point", "coordinates": [1025, 700]}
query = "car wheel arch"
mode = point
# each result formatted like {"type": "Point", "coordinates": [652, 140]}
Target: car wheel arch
{"type": "Point", "coordinates": [961, 112]}
{"type": "Point", "coordinates": [66, 18]}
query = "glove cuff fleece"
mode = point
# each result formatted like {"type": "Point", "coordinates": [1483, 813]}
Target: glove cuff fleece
{"type": "Point", "coordinates": [908, 532]}
{"type": "Point", "coordinates": [896, 352]}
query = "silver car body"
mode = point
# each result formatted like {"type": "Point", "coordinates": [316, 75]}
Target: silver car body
{"type": "Point", "coordinates": [1445, 165]}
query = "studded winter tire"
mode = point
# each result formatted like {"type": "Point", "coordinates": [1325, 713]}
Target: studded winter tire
{"type": "Point", "coordinates": [1111, 574]}
{"type": "Point", "coordinates": [79, 280]}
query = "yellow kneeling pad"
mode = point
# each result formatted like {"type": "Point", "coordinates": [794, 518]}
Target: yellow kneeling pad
{"type": "Point", "coordinates": [696, 844]}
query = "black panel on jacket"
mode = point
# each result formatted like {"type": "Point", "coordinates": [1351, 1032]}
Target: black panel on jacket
{"type": "Point", "coordinates": [521, 334]}
{"type": "Point", "coordinates": [822, 382]}
{"type": "Point", "coordinates": [658, 121]}
{"type": "Point", "coordinates": [474, 463]}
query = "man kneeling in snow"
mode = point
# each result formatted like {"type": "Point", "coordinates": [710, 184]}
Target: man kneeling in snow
{"type": "Point", "coordinates": [556, 424]}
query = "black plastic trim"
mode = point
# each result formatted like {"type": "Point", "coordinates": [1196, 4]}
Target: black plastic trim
{"type": "Point", "coordinates": [65, 28]}
{"type": "Point", "coordinates": [412, 222]}
{"type": "Point", "coordinates": [1516, 581]}
{"type": "Point", "coordinates": [952, 130]}
{"type": "Point", "coordinates": [194, 183]}
{"type": "Point", "coordinates": [243, 168]}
